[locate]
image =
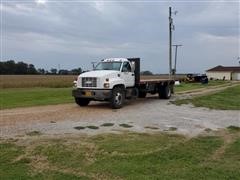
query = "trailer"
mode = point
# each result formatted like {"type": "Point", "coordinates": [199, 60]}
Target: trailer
{"type": "Point", "coordinates": [117, 79]}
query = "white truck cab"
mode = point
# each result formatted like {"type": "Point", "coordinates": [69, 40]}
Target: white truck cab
{"type": "Point", "coordinates": [110, 77]}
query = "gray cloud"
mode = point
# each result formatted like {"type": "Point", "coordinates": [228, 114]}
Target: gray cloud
{"type": "Point", "coordinates": [76, 33]}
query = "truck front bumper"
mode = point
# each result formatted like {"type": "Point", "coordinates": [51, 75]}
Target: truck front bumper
{"type": "Point", "coordinates": [94, 94]}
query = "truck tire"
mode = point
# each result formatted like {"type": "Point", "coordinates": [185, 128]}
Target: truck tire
{"type": "Point", "coordinates": [164, 92]}
{"type": "Point", "coordinates": [142, 94]}
{"type": "Point", "coordinates": [82, 101]}
{"type": "Point", "coordinates": [118, 98]}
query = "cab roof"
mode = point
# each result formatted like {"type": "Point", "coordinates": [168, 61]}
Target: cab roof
{"type": "Point", "coordinates": [115, 60]}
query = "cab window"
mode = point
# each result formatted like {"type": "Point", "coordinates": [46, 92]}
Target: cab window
{"type": "Point", "coordinates": [126, 67]}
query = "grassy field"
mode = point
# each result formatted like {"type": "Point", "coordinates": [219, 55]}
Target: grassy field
{"type": "Point", "coordinates": [123, 156]}
{"type": "Point", "coordinates": [228, 99]}
{"type": "Point", "coordinates": [29, 81]}
{"type": "Point", "coordinates": [23, 97]}
{"type": "Point", "coordinates": [193, 86]}
{"type": "Point", "coordinates": [32, 90]}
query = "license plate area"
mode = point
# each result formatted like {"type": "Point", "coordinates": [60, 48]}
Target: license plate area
{"type": "Point", "coordinates": [87, 93]}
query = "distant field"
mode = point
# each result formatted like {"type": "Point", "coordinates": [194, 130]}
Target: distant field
{"type": "Point", "coordinates": [49, 81]}
{"type": "Point", "coordinates": [28, 81]}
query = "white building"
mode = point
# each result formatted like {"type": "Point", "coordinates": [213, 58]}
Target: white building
{"type": "Point", "coordinates": [224, 72]}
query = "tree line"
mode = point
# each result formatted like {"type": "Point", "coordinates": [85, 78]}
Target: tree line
{"type": "Point", "coordinates": [20, 68]}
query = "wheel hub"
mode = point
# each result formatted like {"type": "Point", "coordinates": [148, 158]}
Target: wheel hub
{"type": "Point", "coordinates": [118, 98]}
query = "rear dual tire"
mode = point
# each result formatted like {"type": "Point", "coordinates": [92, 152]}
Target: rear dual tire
{"type": "Point", "coordinates": [142, 94]}
{"type": "Point", "coordinates": [165, 92]}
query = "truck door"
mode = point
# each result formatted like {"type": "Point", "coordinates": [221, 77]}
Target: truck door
{"type": "Point", "coordinates": [128, 75]}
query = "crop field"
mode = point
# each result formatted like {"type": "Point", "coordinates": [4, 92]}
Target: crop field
{"type": "Point", "coordinates": [214, 155]}
{"type": "Point", "coordinates": [29, 81]}
{"type": "Point", "coordinates": [50, 81]}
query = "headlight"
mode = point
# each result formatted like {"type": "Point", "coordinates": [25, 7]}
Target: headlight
{"type": "Point", "coordinates": [106, 85]}
{"type": "Point", "coordinates": [74, 83]}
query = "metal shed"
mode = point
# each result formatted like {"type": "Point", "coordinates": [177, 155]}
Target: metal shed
{"type": "Point", "coordinates": [224, 72]}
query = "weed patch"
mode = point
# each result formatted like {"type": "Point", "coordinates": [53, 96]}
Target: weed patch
{"type": "Point", "coordinates": [207, 130]}
{"type": "Point", "coordinates": [125, 125]}
{"type": "Point", "coordinates": [151, 127]}
{"type": "Point", "coordinates": [79, 127]}
{"type": "Point", "coordinates": [92, 127]}
{"type": "Point", "coordinates": [34, 133]}
{"type": "Point", "coordinates": [107, 124]}
{"type": "Point", "coordinates": [233, 128]}
{"type": "Point", "coordinates": [171, 129]}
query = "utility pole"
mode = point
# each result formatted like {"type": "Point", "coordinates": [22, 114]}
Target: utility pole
{"type": "Point", "coordinates": [175, 64]}
{"type": "Point", "coordinates": [170, 41]}
{"type": "Point", "coordinates": [171, 28]}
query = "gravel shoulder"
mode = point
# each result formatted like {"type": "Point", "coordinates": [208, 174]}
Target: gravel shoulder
{"type": "Point", "coordinates": [144, 115]}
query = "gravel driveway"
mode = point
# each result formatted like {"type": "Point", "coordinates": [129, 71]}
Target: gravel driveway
{"type": "Point", "coordinates": [144, 115]}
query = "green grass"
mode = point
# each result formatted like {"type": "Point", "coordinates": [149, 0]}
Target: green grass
{"type": "Point", "coordinates": [193, 86]}
{"type": "Point", "coordinates": [22, 97]}
{"type": "Point", "coordinates": [122, 156]}
{"type": "Point", "coordinates": [12, 166]}
{"type": "Point", "coordinates": [228, 99]}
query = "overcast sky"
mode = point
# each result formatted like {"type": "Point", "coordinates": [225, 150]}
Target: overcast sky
{"type": "Point", "coordinates": [75, 33]}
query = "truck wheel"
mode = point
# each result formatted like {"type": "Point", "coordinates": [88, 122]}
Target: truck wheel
{"type": "Point", "coordinates": [118, 98]}
{"type": "Point", "coordinates": [142, 94]}
{"type": "Point", "coordinates": [82, 101]}
{"type": "Point", "coordinates": [164, 92]}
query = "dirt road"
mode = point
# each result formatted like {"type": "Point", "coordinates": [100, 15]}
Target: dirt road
{"type": "Point", "coordinates": [144, 115]}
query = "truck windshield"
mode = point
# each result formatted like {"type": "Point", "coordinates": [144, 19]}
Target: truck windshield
{"type": "Point", "coordinates": [108, 66]}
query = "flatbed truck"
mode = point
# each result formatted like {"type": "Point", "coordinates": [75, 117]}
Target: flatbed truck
{"type": "Point", "coordinates": [117, 79]}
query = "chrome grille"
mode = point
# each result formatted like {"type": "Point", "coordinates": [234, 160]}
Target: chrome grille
{"type": "Point", "coordinates": [89, 82]}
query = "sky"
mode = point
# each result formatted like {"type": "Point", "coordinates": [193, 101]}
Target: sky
{"type": "Point", "coordinates": [73, 33]}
